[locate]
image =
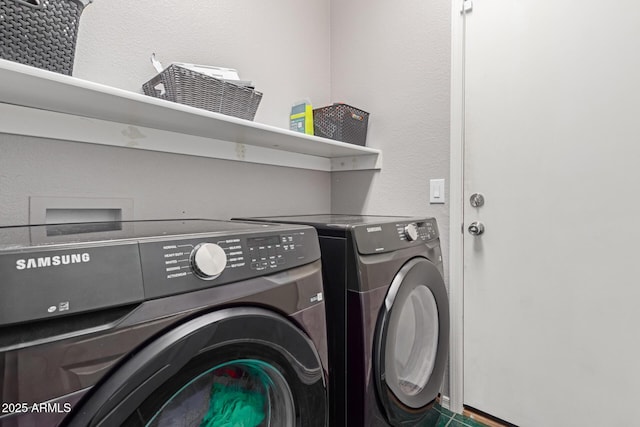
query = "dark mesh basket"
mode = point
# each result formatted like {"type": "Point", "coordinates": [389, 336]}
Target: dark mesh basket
{"type": "Point", "coordinates": [341, 122]}
{"type": "Point", "coordinates": [41, 33]}
{"type": "Point", "coordinates": [184, 86]}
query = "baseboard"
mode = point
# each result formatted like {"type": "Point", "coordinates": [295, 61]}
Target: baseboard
{"type": "Point", "coordinates": [445, 402]}
{"type": "Point", "coordinates": [485, 419]}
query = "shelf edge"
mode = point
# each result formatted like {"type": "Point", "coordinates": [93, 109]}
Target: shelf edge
{"type": "Point", "coordinates": [33, 122]}
{"type": "Point", "coordinates": [30, 87]}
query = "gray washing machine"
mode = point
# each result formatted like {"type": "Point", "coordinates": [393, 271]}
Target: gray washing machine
{"type": "Point", "coordinates": [162, 323]}
{"type": "Point", "coordinates": [388, 317]}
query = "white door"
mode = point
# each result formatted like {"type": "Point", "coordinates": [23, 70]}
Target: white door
{"type": "Point", "coordinates": [552, 141]}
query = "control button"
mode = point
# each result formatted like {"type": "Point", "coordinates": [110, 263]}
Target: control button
{"type": "Point", "coordinates": [411, 232]}
{"type": "Point", "coordinates": [208, 260]}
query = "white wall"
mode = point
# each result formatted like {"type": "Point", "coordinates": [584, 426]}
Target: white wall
{"type": "Point", "coordinates": [160, 185]}
{"type": "Point", "coordinates": [282, 45]}
{"type": "Point", "coordinates": [392, 59]}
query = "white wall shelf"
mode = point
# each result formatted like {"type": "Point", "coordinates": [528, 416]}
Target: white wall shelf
{"type": "Point", "coordinates": [40, 103]}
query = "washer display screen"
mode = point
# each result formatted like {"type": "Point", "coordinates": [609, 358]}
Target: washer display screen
{"type": "Point", "coordinates": [263, 241]}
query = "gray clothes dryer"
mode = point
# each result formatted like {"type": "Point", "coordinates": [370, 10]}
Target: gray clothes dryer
{"type": "Point", "coordinates": [388, 317]}
{"type": "Point", "coordinates": [161, 323]}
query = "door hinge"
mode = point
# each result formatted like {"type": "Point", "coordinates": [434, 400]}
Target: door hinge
{"type": "Point", "coordinates": [467, 7]}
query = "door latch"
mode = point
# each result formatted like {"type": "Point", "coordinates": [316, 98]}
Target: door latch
{"type": "Point", "coordinates": [476, 228]}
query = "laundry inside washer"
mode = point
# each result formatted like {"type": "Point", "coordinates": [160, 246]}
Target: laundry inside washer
{"type": "Point", "coordinates": [242, 392]}
{"type": "Point", "coordinates": [162, 323]}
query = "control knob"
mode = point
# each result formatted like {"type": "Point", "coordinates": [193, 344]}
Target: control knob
{"type": "Point", "coordinates": [411, 232]}
{"type": "Point", "coordinates": [208, 260]}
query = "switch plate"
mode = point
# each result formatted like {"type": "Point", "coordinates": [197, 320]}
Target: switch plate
{"type": "Point", "coordinates": [436, 191]}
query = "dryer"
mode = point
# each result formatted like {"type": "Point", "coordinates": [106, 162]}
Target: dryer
{"type": "Point", "coordinates": [388, 317]}
{"type": "Point", "coordinates": [162, 323]}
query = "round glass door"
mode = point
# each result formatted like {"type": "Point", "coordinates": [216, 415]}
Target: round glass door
{"type": "Point", "coordinates": [248, 393]}
{"type": "Point", "coordinates": [241, 366]}
{"type": "Point", "coordinates": [412, 343]}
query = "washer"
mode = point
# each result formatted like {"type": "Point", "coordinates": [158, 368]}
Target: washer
{"type": "Point", "coordinates": [162, 323]}
{"type": "Point", "coordinates": [384, 286]}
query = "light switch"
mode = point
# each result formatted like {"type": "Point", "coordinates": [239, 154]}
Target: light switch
{"type": "Point", "coordinates": [436, 194]}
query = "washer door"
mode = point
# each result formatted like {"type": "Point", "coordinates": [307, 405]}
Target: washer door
{"type": "Point", "coordinates": [412, 342]}
{"type": "Point", "coordinates": [238, 366]}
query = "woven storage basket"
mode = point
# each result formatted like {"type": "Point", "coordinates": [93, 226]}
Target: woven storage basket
{"type": "Point", "coordinates": [179, 84]}
{"type": "Point", "coordinates": [41, 33]}
{"type": "Point", "coordinates": [341, 122]}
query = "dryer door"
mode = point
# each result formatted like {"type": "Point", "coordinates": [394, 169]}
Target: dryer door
{"type": "Point", "coordinates": [412, 342]}
{"type": "Point", "coordinates": [238, 366]}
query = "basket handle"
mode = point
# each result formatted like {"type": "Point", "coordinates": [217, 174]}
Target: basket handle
{"type": "Point", "coordinates": [160, 89]}
{"type": "Point", "coordinates": [36, 4]}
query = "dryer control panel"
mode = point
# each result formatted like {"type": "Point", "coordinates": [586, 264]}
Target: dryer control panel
{"type": "Point", "coordinates": [391, 236]}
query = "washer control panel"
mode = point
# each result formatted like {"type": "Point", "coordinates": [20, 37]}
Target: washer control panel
{"type": "Point", "coordinates": [272, 251]}
{"type": "Point", "coordinates": [188, 264]}
{"type": "Point", "coordinates": [57, 270]}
